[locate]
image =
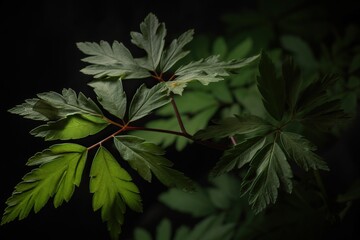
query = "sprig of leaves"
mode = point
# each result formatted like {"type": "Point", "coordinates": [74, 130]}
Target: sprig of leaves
{"type": "Point", "coordinates": [265, 147]}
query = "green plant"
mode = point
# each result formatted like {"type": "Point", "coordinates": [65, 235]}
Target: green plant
{"type": "Point", "coordinates": [262, 150]}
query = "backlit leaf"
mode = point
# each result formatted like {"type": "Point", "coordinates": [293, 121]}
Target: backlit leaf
{"type": "Point", "coordinates": [113, 189]}
{"type": "Point", "coordinates": [72, 127]}
{"type": "Point", "coordinates": [60, 170]}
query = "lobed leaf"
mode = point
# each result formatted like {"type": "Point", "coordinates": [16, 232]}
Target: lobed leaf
{"type": "Point", "coordinates": [111, 95]}
{"type": "Point", "coordinates": [112, 187]}
{"type": "Point", "coordinates": [151, 39]}
{"type": "Point", "coordinates": [146, 100]}
{"type": "Point", "coordinates": [302, 151]}
{"type": "Point", "coordinates": [238, 156]}
{"type": "Point", "coordinates": [72, 127]}
{"type": "Point", "coordinates": [267, 170]}
{"type": "Point", "coordinates": [271, 87]}
{"type": "Point", "coordinates": [175, 51]}
{"type": "Point", "coordinates": [146, 158]}
{"type": "Point", "coordinates": [60, 170]}
{"type": "Point", "coordinates": [110, 61]}
{"type": "Point", "coordinates": [232, 126]}
{"type": "Point", "coordinates": [205, 71]}
{"type": "Point", "coordinates": [55, 106]}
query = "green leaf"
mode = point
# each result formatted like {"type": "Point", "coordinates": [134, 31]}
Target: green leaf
{"type": "Point", "coordinates": [151, 39]}
{"type": "Point", "coordinates": [292, 80]}
{"type": "Point", "coordinates": [111, 95]}
{"type": "Point", "coordinates": [146, 158]}
{"type": "Point", "coordinates": [241, 50]}
{"type": "Point", "coordinates": [146, 100]}
{"type": "Point", "coordinates": [112, 187]}
{"type": "Point", "coordinates": [211, 228]}
{"type": "Point", "coordinates": [267, 170]}
{"type": "Point", "coordinates": [205, 71]}
{"type": "Point", "coordinates": [301, 51]}
{"type": "Point", "coordinates": [220, 47]}
{"type": "Point", "coordinates": [195, 203]}
{"type": "Point", "coordinates": [141, 234]}
{"type": "Point", "coordinates": [55, 106]}
{"type": "Point", "coordinates": [233, 125]}
{"type": "Point", "coordinates": [316, 93]}
{"type": "Point", "coordinates": [302, 151]}
{"type": "Point", "coordinates": [163, 230]}
{"type": "Point", "coordinates": [175, 51]}
{"type": "Point", "coordinates": [110, 61]}
{"type": "Point", "coordinates": [72, 127]}
{"type": "Point", "coordinates": [238, 156]}
{"type": "Point", "coordinates": [271, 87]}
{"type": "Point", "coordinates": [60, 170]}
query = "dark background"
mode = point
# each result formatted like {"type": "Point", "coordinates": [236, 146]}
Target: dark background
{"type": "Point", "coordinates": [39, 54]}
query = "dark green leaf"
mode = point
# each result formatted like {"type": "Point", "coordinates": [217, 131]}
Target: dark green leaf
{"type": "Point", "coordinates": [301, 151]}
{"type": "Point", "coordinates": [60, 170]}
{"type": "Point", "coordinates": [196, 203]}
{"type": "Point", "coordinates": [163, 230]}
{"type": "Point", "coordinates": [72, 127]}
{"type": "Point", "coordinates": [141, 234]}
{"type": "Point", "coordinates": [271, 87]}
{"type": "Point", "coordinates": [267, 170]}
{"type": "Point", "coordinates": [147, 157]}
{"type": "Point", "coordinates": [151, 39]}
{"type": "Point", "coordinates": [232, 126]}
{"type": "Point", "coordinates": [146, 100]}
{"type": "Point", "coordinates": [238, 156]}
{"type": "Point", "coordinates": [111, 95]}
{"type": "Point", "coordinates": [292, 80]}
{"type": "Point", "coordinates": [241, 50]}
{"type": "Point", "coordinates": [112, 187]}
{"type": "Point", "coordinates": [220, 48]}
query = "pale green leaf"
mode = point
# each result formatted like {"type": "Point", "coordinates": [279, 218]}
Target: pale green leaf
{"type": "Point", "coordinates": [60, 170]}
{"type": "Point", "coordinates": [267, 170]}
{"type": "Point", "coordinates": [110, 61]}
{"type": "Point", "coordinates": [238, 156]}
{"type": "Point", "coordinates": [302, 151]}
{"type": "Point", "coordinates": [232, 126]}
{"type": "Point", "coordinates": [147, 100]}
{"type": "Point", "coordinates": [72, 127]}
{"type": "Point", "coordinates": [175, 51]}
{"type": "Point", "coordinates": [112, 187]}
{"type": "Point", "coordinates": [151, 39]}
{"type": "Point", "coordinates": [55, 106]}
{"type": "Point", "coordinates": [146, 158]}
{"type": "Point", "coordinates": [111, 95]}
{"type": "Point", "coordinates": [206, 71]}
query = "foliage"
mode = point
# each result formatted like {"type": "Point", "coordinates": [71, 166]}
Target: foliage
{"type": "Point", "coordinates": [253, 104]}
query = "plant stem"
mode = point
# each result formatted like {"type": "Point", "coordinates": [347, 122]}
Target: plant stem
{"type": "Point", "coordinates": [178, 116]}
